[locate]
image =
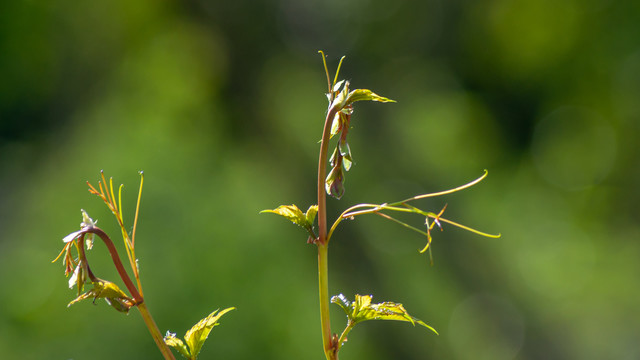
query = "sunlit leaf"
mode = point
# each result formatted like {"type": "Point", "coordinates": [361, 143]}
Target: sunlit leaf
{"type": "Point", "coordinates": [291, 212]}
{"type": "Point", "coordinates": [109, 291]}
{"type": "Point", "coordinates": [362, 309]}
{"type": "Point", "coordinates": [336, 125]}
{"type": "Point", "coordinates": [365, 95]}
{"type": "Point", "coordinates": [295, 215]}
{"type": "Point", "coordinates": [197, 335]}
{"type": "Point", "coordinates": [342, 301]}
{"type": "Point", "coordinates": [340, 100]}
{"type": "Point", "coordinates": [171, 340]}
{"type": "Point", "coordinates": [311, 214]}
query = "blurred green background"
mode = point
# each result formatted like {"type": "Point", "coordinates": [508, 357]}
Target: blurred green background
{"type": "Point", "coordinates": [222, 103]}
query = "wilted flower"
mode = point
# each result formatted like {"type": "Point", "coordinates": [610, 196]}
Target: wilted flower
{"type": "Point", "coordinates": [73, 265]}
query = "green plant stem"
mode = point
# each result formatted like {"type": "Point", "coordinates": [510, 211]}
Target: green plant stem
{"type": "Point", "coordinates": [155, 332]}
{"type": "Point", "coordinates": [345, 332]}
{"type": "Point", "coordinates": [322, 174]}
{"type": "Point", "coordinates": [323, 241]}
{"type": "Point", "coordinates": [323, 276]}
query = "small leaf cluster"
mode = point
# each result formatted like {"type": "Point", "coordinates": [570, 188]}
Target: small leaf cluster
{"type": "Point", "coordinates": [296, 216]}
{"type": "Point", "coordinates": [81, 273]}
{"type": "Point", "coordinates": [361, 309]}
{"type": "Point", "coordinates": [196, 336]}
{"type": "Point", "coordinates": [341, 101]}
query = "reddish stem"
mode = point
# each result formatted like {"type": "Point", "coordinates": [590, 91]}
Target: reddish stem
{"type": "Point", "coordinates": [117, 262]}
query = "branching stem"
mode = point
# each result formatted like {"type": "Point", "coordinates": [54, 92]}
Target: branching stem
{"type": "Point", "coordinates": [402, 206]}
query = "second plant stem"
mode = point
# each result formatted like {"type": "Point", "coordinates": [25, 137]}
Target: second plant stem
{"type": "Point", "coordinates": [323, 241]}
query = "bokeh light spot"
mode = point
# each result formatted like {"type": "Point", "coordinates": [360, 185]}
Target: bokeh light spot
{"type": "Point", "coordinates": [574, 148]}
{"type": "Point", "coordinates": [557, 260]}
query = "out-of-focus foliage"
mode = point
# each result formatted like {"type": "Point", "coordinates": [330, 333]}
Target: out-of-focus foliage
{"type": "Point", "coordinates": [222, 103]}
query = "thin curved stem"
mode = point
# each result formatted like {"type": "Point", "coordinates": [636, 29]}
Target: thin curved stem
{"type": "Point", "coordinates": [395, 206]}
{"type": "Point", "coordinates": [134, 264]}
{"type": "Point", "coordinates": [139, 300]}
{"type": "Point", "coordinates": [494, 236]}
{"type": "Point", "coordinates": [117, 262]}
{"type": "Point", "coordinates": [370, 209]}
{"type": "Point", "coordinates": [440, 193]}
{"type": "Point", "coordinates": [345, 332]}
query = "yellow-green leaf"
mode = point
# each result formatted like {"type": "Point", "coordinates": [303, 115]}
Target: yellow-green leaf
{"type": "Point", "coordinates": [340, 101]}
{"type": "Point", "coordinates": [296, 216]}
{"type": "Point", "coordinates": [197, 335]}
{"type": "Point", "coordinates": [291, 212]}
{"type": "Point", "coordinates": [365, 95]}
{"type": "Point", "coordinates": [336, 125]}
{"type": "Point", "coordinates": [311, 214]}
{"type": "Point", "coordinates": [171, 340]}
{"type": "Point", "coordinates": [110, 292]}
{"type": "Point", "coordinates": [362, 309]}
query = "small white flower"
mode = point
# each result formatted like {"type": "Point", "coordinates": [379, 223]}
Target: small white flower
{"type": "Point", "coordinates": [69, 238]}
{"type": "Point", "coordinates": [88, 222]}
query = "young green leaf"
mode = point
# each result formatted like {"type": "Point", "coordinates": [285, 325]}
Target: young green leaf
{"type": "Point", "coordinates": [171, 340]}
{"type": "Point", "coordinates": [338, 85]}
{"type": "Point", "coordinates": [336, 125]}
{"type": "Point", "coordinates": [311, 214]}
{"type": "Point", "coordinates": [362, 309]}
{"type": "Point", "coordinates": [365, 95]}
{"type": "Point", "coordinates": [342, 301]}
{"type": "Point", "coordinates": [340, 101]}
{"type": "Point", "coordinates": [291, 212]}
{"type": "Point", "coordinates": [295, 215]}
{"type": "Point", "coordinates": [197, 335]}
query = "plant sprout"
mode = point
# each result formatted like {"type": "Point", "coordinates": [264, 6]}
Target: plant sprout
{"type": "Point", "coordinates": [337, 123]}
